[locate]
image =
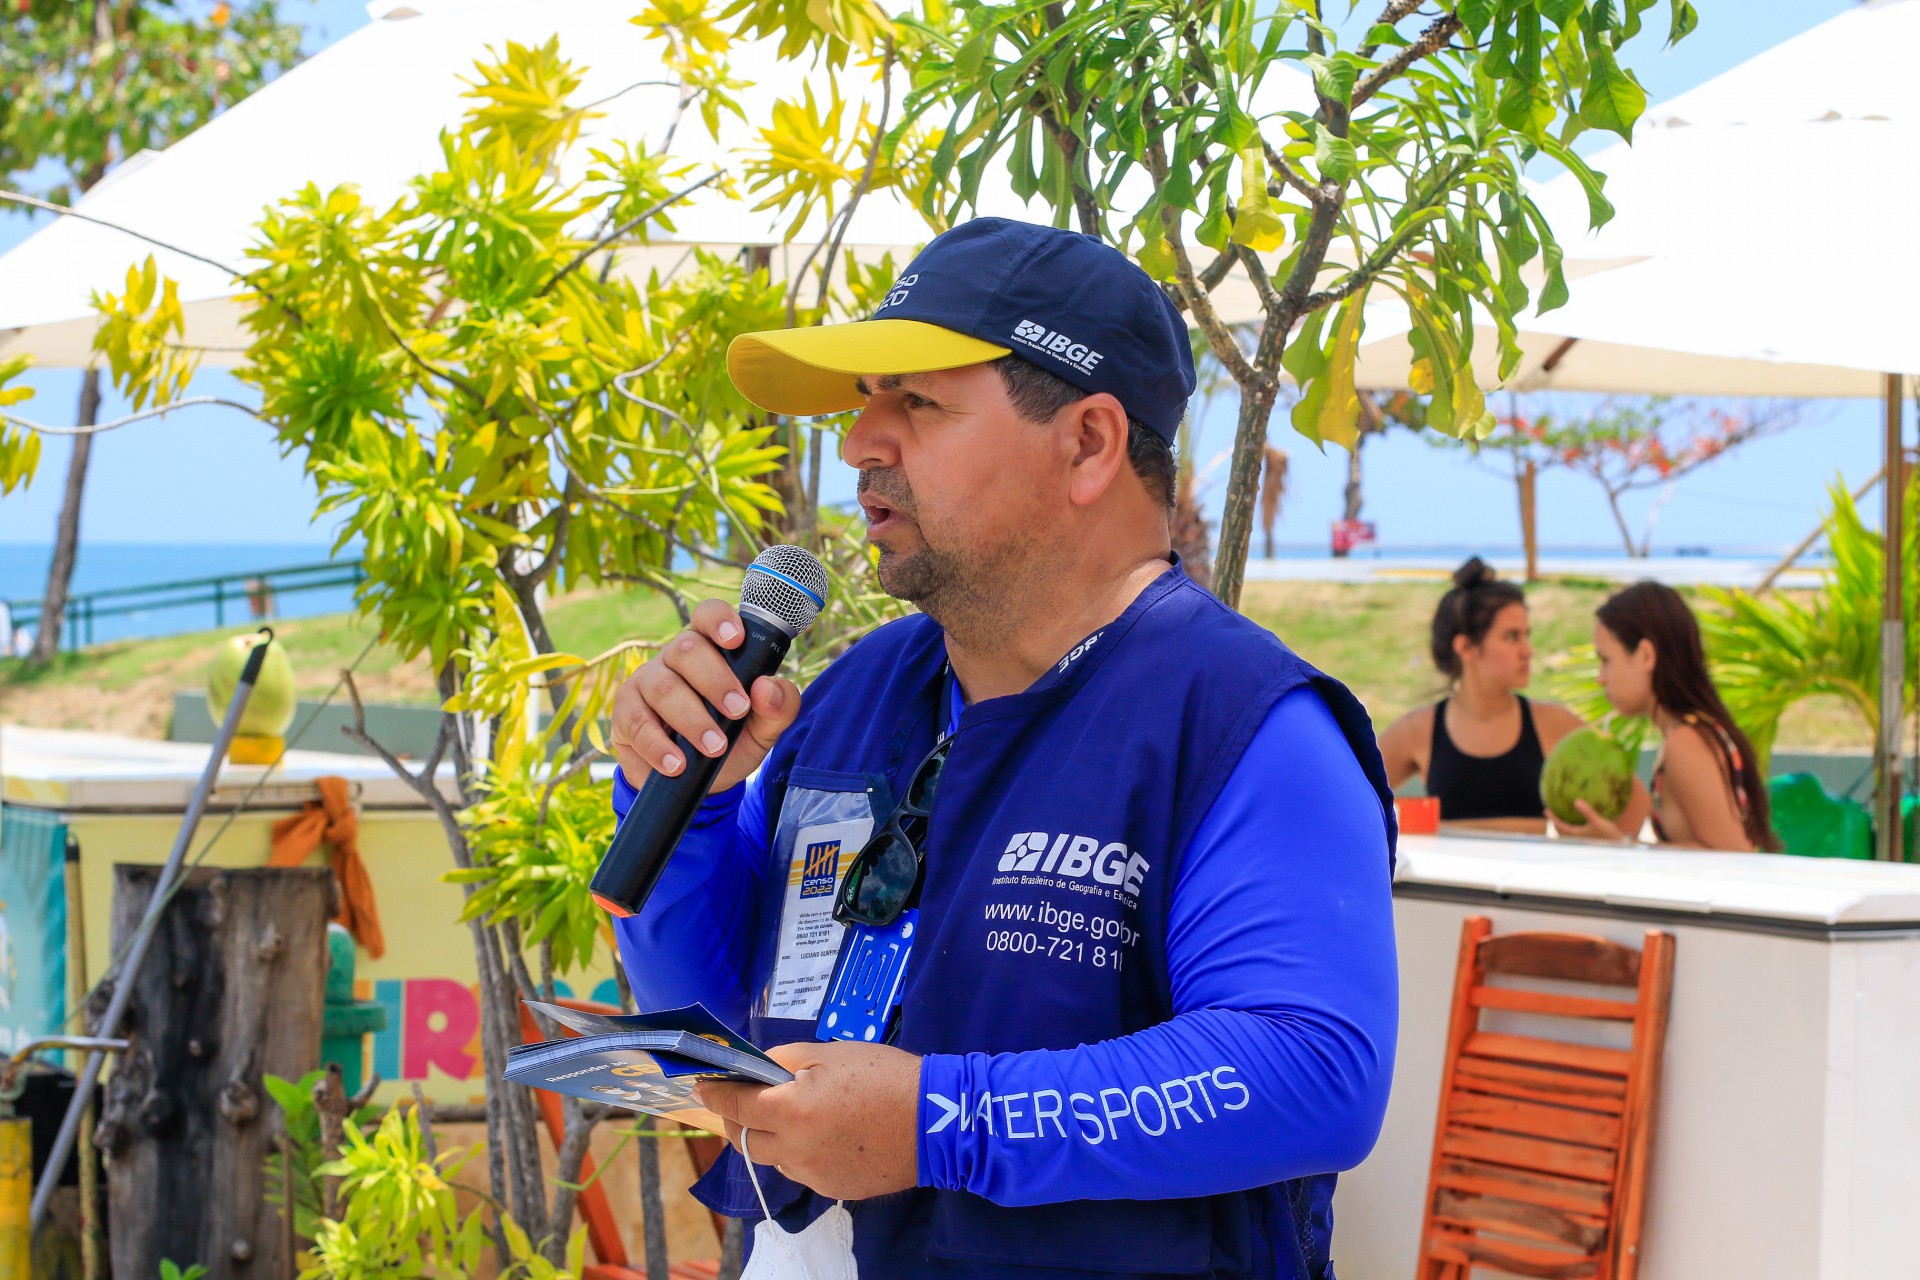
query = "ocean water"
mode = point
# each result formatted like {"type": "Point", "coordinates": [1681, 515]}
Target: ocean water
{"type": "Point", "coordinates": [106, 565]}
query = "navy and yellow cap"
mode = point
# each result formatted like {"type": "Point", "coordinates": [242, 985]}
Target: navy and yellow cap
{"type": "Point", "coordinates": [1066, 302]}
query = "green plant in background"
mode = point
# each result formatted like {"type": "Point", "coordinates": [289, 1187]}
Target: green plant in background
{"type": "Point", "coordinates": [1771, 651]}
{"type": "Point", "coordinates": [293, 1172]}
{"type": "Point", "coordinates": [400, 1216]}
{"type": "Point", "coordinates": [1408, 158]}
{"type": "Point", "coordinates": [497, 412]}
{"type": "Point", "coordinates": [169, 1270]}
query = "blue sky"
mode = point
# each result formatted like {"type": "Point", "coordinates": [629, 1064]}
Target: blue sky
{"type": "Point", "coordinates": [211, 476]}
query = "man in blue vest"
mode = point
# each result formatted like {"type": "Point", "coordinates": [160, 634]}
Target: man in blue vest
{"type": "Point", "coordinates": [1066, 898]}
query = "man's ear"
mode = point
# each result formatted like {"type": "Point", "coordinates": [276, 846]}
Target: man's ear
{"type": "Point", "coordinates": [1098, 436]}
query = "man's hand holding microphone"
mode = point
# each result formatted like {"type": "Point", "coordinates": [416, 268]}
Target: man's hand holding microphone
{"type": "Point", "coordinates": [670, 694]}
{"type": "Point", "coordinates": [694, 720]}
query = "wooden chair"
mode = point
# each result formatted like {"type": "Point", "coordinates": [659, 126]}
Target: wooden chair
{"type": "Point", "coordinates": [1540, 1148]}
{"type": "Point", "coordinates": [603, 1233]}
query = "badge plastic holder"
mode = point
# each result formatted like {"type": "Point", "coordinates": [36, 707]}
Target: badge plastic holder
{"type": "Point", "coordinates": [867, 981]}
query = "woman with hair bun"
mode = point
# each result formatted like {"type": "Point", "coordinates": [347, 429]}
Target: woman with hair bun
{"type": "Point", "coordinates": [1480, 749]}
{"type": "Point", "coordinates": [1708, 792]}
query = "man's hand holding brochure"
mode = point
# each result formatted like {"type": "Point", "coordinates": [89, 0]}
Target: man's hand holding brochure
{"type": "Point", "coordinates": [642, 1061]}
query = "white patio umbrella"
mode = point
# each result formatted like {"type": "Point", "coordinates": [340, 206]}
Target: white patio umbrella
{"type": "Point", "coordinates": [368, 110]}
{"type": "Point", "coordinates": [1748, 282]}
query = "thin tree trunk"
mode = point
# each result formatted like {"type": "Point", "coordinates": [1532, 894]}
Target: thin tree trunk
{"type": "Point", "coordinates": [1620, 522]}
{"type": "Point", "coordinates": [1355, 498]}
{"type": "Point", "coordinates": [653, 1208]}
{"type": "Point", "coordinates": [733, 1249]}
{"type": "Point", "coordinates": [66, 537]}
{"type": "Point", "coordinates": [1529, 517]}
{"type": "Point", "coordinates": [1189, 533]}
{"type": "Point", "coordinates": [1243, 490]}
{"type": "Point", "coordinates": [814, 455]}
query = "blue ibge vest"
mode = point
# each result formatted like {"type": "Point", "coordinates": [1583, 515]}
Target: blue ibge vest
{"type": "Point", "coordinates": [1078, 794]}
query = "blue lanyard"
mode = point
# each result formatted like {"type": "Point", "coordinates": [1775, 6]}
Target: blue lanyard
{"type": "Point", "coordinates": [864, 993]}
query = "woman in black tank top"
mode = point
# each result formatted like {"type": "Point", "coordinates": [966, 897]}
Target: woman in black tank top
{"type": "Point", "coordinates": [1472, 787]}
{"type": "Point", "coordinates": [1480, 749]}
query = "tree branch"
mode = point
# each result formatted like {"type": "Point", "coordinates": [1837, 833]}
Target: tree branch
{"type": "Point", "coordinates": [158, 411]}
{"type": "Point", "coordinates": [1288, 174]}
{"type": "Point", "coordinates": [1431, 41]}
{"type": "Point", "coordinates": [1085, 207]}
{"type": "Point", "coordinates": [1389, 16]}
{"type": "Point", "coordinates": [1262, 281]}
{"type": "Point", "coordinates": [866, 178]}
{"type": "Point", "coordinates": [1189, 293]}
{"type": "Point", "coordinates": [621, 93]}
{"type": "Point", "coordinates": [625, 227]}
{"type": "Point", "coordinates": [422, 782]}
{"type": "Point", "coordinates": [1217, 271]}
{"type": "Point", "coordinates": [69, 212]}
{"type": "Point", "coordinates": [566, 775]}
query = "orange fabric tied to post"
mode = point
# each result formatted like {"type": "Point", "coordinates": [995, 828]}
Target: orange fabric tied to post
{"type": "Point", "coordinates": [331, 819]}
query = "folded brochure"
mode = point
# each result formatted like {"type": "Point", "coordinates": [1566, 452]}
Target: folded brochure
{"type": "Point", "coordinates": [642, 1061]}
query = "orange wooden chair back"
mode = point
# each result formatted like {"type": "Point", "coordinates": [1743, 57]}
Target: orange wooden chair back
{"type": "Point", "coordinates": [1540, 1148]}
{"type": "Point", "coordinates": [603, 1231]}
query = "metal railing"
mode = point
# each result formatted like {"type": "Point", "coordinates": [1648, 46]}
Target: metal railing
{"type": "Point", "coordinates": [256, 591]}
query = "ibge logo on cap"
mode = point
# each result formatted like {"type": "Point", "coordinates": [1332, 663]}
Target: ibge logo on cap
{"type": "Point", "coordinates": [1058, 345]}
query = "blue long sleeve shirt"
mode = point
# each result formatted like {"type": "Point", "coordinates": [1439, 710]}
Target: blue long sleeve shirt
{"type": "Point", "coordinates": [1280, 952]}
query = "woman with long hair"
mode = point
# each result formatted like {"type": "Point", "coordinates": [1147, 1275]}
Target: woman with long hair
{"type": "Point", "coordinates": [1480, 748]}
{"type": "Point", "coordinates": [1707, 789]}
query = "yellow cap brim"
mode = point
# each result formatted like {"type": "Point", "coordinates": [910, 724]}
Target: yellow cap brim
{"type": "Point", "coordinates": [805, 372]}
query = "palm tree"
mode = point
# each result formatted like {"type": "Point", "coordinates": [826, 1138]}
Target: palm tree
{"type": "Point", "coordinates": [1273, 491]}
{"type": "Point", "coordinates": [1771, 651]}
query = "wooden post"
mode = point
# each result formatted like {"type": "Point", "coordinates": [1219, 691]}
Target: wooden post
{"type": "Point", "coordinates": [1529, 526]}
{"type": "Point", "coordinates": [1893, 639]}
{"type": "Point", "coordinates": [231, 990]}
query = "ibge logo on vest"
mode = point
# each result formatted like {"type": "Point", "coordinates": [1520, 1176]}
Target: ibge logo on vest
{"type": "Point", "coordinates": [1081, 863]}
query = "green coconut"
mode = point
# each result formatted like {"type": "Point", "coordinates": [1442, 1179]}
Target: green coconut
{"type": "Point", "coordinates": [271, 707]}
{"type": "Point", "coordinates": [1587, 765]}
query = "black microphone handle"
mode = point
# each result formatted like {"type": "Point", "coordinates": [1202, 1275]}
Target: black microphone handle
{"type": "Point", "coordinates": [666, 805]}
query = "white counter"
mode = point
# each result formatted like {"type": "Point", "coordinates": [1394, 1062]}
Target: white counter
{"type": "Point", "coordinates": [1787, 1140]}
{"type": "Point", "coordinates": [103, 772]}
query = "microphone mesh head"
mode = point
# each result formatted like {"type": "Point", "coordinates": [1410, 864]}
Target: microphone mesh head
{"type": "Point", "coordinates": [786, 586]}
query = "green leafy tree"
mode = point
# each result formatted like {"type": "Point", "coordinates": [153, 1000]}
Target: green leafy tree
{"type": "Point", "coordinates": [1403, 178]}
{"type": "Point", "coordinates": [494, 418]}
{"type": "Point", "coordinates": [495, 411]}
{"type": "Point", "coordinates": [85, 85]}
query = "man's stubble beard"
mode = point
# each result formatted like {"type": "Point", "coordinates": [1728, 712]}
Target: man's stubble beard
{"type": "Point", "coordinates": [973, 595]}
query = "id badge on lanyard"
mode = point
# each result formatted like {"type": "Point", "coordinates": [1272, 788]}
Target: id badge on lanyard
{"type": "Point", "coordinates": [863, 997]}
{"type": "Point", "coordinates": [867, 981]}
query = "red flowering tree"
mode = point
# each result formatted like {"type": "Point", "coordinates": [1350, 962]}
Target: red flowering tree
{"type": "Point", "coordinates": [1629, 445]}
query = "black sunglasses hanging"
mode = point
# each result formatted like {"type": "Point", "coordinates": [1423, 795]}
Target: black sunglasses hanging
{"type": "Point", "coordinates": [885, 874]}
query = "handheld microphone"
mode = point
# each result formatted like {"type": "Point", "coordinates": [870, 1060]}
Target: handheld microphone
{"type": "Point", "coordinates": [784, 591]}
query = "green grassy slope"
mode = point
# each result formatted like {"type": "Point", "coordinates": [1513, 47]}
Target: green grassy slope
{"type": "Point", "coordinates": [1374, 637]}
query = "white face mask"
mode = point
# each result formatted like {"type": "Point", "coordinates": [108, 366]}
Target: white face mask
{"type": "Point", "coordinates": [822, 1251]}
